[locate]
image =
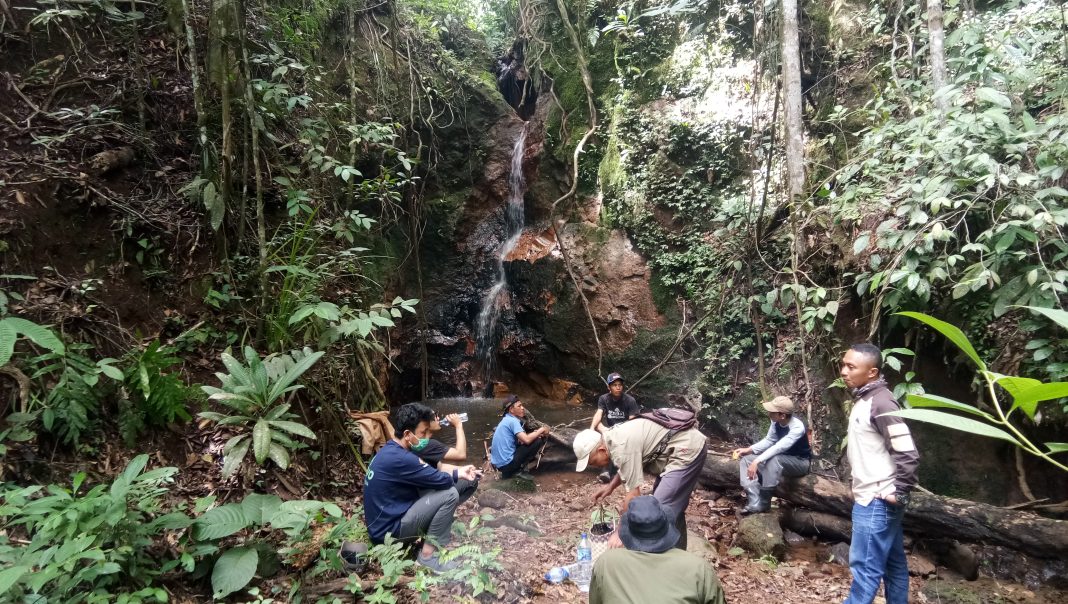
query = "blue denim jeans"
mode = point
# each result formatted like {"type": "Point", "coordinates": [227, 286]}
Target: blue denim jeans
{"type": "Point", "coordinates": [877, 554]}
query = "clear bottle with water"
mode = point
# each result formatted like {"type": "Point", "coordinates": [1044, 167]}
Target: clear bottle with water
{"type": "Point", "coordinates": [445, 420]}
{"type": "Point", "coordinates": [583, 572]}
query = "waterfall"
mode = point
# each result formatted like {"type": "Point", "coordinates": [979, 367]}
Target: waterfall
{"type": "Point", "coordinates": [486, 337]}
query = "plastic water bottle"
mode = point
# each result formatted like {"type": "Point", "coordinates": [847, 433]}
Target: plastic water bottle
{"type": "Point", "coordinates": [445, 421]}
{"type": "Point", "coordinates": [557, 574]}
{"type": "Point", "coordinates": [583, 564]}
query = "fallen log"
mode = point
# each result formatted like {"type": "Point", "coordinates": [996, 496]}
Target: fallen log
{"type": "Point", "coordinates": [828, 527]}
{"type": "Point", "coordinates": [928, 515]}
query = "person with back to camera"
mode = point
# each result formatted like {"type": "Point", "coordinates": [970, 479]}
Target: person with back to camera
{"type": "Point", "coordinates": [613, 407]}
{"type": "Point", "coordinates": [406, 498]}
{"type": "Point", "coordinates": [651, 569]}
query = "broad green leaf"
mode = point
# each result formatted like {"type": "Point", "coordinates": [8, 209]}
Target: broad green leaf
{"type": "Point", "coordinates": [1056, 314]}
{"type": "Point", "coordinates": [40, 335]}
{"type": "Point", "coordinates": [220, 522]}
{"type": "Point", "coordinates": [233, 459]}
{"type": "Point", "coordinates": [931, 400]}
{"type": "Point", "coordinates": [111, 371]}
{"type": "Point", "coordinates": [279, 455]}
{"type": "Point", "coordinates": [993, 96]}
{"type": "Point", "coordinates": [233, 442]}
{"type": "Point", "coordinates": [8, 335]}
{"type": "Point", "coordinates": [951, 332]}
{"type": "Point", "coordinates": [1014, 385]}
{"type": "Point", "coordinates": [261, 440]}
{"type": "Point", "coordinates": [1028, 399]}
{"type": "Point", "coordinates": [233, 571]}
{"type": "Point", "coordinates": [213, 203]}
{"type": "Point", "coordinates": [260, 508]}
{"type": "Point", "coordinates": [1057, 447]}
{"type": "Point", "coordinates": [293, 428]}
{"type": "Point", "coordinates": [294, 372]}
{"type": "Point", "coordinates": [954, 422]}
{"type": "Point", "coordinates": [236, 369]}
{"type": "Point", "coordinates": [10, 576]}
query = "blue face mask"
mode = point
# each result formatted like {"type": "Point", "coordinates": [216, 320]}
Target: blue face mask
{"type": "Point", "coordinates": [420, 444]}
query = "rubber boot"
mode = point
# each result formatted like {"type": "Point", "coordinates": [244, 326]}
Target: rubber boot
{"type": "Point", "coordinates": [753, 492]}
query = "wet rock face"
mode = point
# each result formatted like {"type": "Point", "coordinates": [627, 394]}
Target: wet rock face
{"type": "Point", "coordinates": [545, 341]}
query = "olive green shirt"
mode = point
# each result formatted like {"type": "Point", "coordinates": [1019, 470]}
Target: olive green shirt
{"type": "Point", "coordinates": [622, 576]}
{"type": "Point", "coordinates": [632, 445]}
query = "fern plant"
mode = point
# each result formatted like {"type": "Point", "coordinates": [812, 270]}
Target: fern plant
{"type": "Point", "coordinates": [255, 392]}
{"type": "Point", "coordinates": [12, 328]}
{"type": "Point", "coordinates": [71, 381]}
{"type": "Point", "coordinates": [154, 396]}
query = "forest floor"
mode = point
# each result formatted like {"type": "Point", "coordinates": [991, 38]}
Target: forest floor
{"type": "Point", "coordinates": [561, 507]}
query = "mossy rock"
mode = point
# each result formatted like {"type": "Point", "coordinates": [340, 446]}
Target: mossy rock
{"type": "Point", "coordinates": [761, 535]}
{"type": "Point", "coordinates": [516, 484]}
{"type": "Point", "coordinates": [945, 592]}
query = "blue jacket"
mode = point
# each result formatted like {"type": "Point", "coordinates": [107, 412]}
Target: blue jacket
{"type": "Point", "coordinates": [394, 479]}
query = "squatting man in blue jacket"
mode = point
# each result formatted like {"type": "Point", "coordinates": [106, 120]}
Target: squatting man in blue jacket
{"type": "Point", "coordinates": [783, 452]}
{"type": "Point", "coordinates": [405, 497]}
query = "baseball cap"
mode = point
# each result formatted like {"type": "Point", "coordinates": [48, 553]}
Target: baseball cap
{"type": "Point", "coordinates": [779, 404]}
{"type": "Point", "coordinates": [613, 377]}
{"type": "Point", "coordinates": [510, 400]}
{"type": "Point", "coordinates": [584, 444]}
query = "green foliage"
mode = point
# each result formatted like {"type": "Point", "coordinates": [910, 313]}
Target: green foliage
{"type": "Point", "coordinates": [73, 391]}
{"type": "Point", "coordinates": [256, 392]}
{"type": "Point", "coordinates": [6, 296]}
{"type": "Point", "coordinates": [69, 546]}
{"type": "Point", "coordinates": [237, 565]}
{"type": "Point", "coordinates": [154, 396]}
{"type": "Point", "coordinates": [968, 205]}
{"type": "Point", "coordinates": [1026, 395]}
{"type": "Point", "coordinates": [13, 328]}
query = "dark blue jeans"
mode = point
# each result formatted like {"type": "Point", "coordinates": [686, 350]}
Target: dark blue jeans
{"type": "Point", "coordinates": [877, 553]}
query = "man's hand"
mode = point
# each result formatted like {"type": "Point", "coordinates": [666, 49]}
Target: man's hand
{"type": "Point", "coordinates": [543, 431]}
{"type": "Point", "coordinates": [891, 499]}
{"type": "Point", "coordinates": [454, 420]}
{"type": "Point", "coordinates": [751, 471]}
{"type": "Point", "coordinates": [468, 472]}
{"type": "Point", "coordinates": [614, 541]}
{"type": "Point", "coordinates": [735, 454]}
{"type": "Point", "coordinates": [603, 492]}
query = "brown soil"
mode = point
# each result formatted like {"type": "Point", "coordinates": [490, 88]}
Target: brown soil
{"type": "Point", "coordinates": [561, 509]}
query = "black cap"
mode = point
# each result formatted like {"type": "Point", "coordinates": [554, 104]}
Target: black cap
{"type": "Point", "coordinates": [510, 400]}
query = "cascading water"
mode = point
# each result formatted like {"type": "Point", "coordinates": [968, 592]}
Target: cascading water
{"type": "Point", "coordinates": [486, 337]}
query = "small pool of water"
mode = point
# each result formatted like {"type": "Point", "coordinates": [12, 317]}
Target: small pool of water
{"type": "Point", "coordinates": [485, 413]}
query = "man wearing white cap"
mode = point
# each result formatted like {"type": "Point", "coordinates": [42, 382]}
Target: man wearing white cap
{"type": "Point", "coordinates": [642, 445]}
{"type": "Point", "coordinates": [783, 452]}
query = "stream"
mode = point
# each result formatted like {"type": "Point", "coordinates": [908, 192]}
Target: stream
{"type": "Point", "coordinates": [485, 413]}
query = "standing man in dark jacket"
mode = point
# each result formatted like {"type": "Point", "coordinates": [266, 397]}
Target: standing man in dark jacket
{"type": "Point", "coordinates": [405, 497]}
{"type": "Point", "coordinates": [783, 452]}
{"type": "Point", "coordinates": [884, 460]}
{"type": "Point", "coordinates": [613, 407]}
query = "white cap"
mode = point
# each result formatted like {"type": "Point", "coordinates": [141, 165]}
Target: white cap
{"type": "Point", "coordinates": [585, 443]}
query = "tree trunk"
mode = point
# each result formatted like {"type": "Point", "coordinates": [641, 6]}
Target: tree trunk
{"type": "Point", "coordinates": [938, 53]}
{"type": "Point", "coordinates": [928, 515]}
{"type": "Point", "coordinates": [791, 91]}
